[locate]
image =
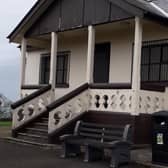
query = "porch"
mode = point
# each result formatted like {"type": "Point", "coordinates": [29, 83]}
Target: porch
{"type": "Point", "coordinates": [95, 74]}
{"type": "Point", "coordinates": [105, 57]}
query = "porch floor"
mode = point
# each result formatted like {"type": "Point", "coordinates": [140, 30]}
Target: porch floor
{"type": "Point", "coordinates": [21, 156]}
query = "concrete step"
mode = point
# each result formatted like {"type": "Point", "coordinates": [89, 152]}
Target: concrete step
{"type": "Point", "coordinates": [26, 142]}
{"type": "Point", "coordinates": [45, 120]}
{"type": "Point", "coordinates": [36, 131]}
{"type": "Point", "coordinates": [32, 137]}
{"type": "Point", "coordinates": [40, 125]}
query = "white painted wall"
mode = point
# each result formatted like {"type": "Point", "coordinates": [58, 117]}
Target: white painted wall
{"type": "Point", "coordinates": [121, 36]}
{"type": "Point", "coordinates": [33, 67]}
{"type": "Point", "coordinates": [77, 75]}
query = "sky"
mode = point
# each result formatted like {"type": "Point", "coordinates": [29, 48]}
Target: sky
{"type": "Point", "coordinates": [11, 13]}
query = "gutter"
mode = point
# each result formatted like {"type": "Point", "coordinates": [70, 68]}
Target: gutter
{"type": "Point", "coordinates": [159, 9]}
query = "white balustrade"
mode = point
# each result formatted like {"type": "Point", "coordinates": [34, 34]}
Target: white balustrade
{"type": "Point", "coordinates": [111, 100]}
{"type": "Point", "coordinates": [150, 101]}
{"type": "Point", "coordinates": [68, 111]}
{"type": "Point", "coordinates": [31, 109]}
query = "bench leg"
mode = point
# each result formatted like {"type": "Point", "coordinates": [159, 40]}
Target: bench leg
{"type": "Point", "coordinates": [70, 150]}
{"type": "Point", "coordinates": [114, 159]}
{"type": "Point", "coordinates": [92, 154]}
{"type": "Point", "coordinates": [119, 156]}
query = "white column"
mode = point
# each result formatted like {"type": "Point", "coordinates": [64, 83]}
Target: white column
{"type": "Point", "coordinates": [53, 60]}
{"type": "Point", "coordinates": [136, 74]}
{"type": "Point", "coordinates": [90, 54]}
{"type": "Point", "coordinates": [23, 60]}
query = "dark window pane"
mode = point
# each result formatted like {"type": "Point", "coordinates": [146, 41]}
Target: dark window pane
{"type": "Point", "coordinates": [60, 77]}
{"type": "Point", "coordinates": [44, 70]}
{"type": "Point", "coordinates": [65, 76]}
{"type": "Point", "coordinates": [62, 69]}
{"type": "Point", "coordinates": [154, 72]}
{"type": "Point", "coordinates": [66, 62]}
{"type": "Point", "coordinates": [164, 72]}
{"type": "Point", "coordinates": [165, 54]}
{"type": "Point", "coordinates": [60, 62]}
{"type": "Point", "coordinates": [145, 55]}
{"type": "Point", "coordinates": [155, 54]}
{"type": "Point", "coordinates": [144, 73]}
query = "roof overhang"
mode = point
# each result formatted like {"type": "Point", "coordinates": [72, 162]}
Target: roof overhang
{"type": "Point", "coordinates": [136, 7]}
{"type": "Point", "coordinates": [29, 19]}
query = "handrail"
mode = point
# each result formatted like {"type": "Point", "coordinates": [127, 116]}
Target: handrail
{"type": "Point", "coordinates": [32, 87]}
{"type": "Point", "coordinates": [30, 97]}
{"type": "Point", "coordinates": [67, 97]}
{"type": "Point", "coordinates": [110, 86]}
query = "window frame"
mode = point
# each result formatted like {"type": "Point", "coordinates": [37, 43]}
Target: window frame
{"type": "Point", "coordinates": [150, 45]}
{"type": "Point", "coordinates": [57, 85]}
{"type": "Point", "coordinates": [40, 70]}
{"type": "Point", "coordinates": [66, 84]}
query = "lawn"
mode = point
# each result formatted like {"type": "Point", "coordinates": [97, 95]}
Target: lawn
{"type": "Point", "coordinates": [5, 123]}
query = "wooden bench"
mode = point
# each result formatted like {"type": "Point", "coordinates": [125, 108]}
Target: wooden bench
{"type": "Point", "coordinates": [97, 137]}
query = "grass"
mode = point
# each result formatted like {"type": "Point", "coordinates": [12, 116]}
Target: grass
{"type": "Point", "coordinates": [5, 123]}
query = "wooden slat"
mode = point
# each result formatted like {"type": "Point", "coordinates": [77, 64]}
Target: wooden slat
{"type": "Point", "coordinates": [111, 138]}
{"type": "Point", "coordinates": [90, 135]}
{"type": "Point", "coordinates": [114, 132]}
{"type": "Point", "coordinates": [101, 125]}
{"type": "Point", "coordinates": [92, 130]}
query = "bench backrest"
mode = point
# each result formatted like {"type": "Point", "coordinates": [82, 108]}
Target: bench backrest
{"type": "Point", "coordinates": [102, 132]}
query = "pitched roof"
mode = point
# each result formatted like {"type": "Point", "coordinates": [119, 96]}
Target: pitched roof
{"type": "Point", "coordinates": [155, 7]}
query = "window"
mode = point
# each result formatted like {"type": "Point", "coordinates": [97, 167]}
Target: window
{"type": "Point", "coordinates": [45, 69]}
{"type": "Point", "coordinates": [62, 71]}
{"type": "Point", "coordinates": [154, 62]}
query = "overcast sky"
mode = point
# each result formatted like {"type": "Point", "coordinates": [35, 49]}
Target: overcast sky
{"type": "Point", "coordinates": [11, 12]}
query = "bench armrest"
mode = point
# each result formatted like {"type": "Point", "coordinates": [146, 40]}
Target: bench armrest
{"type": "Point", "coordinates": [67, 136]}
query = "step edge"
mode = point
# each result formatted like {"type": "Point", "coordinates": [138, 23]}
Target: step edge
{"type": "Point", "coordinates": [22, 142]}
{"type": "Point", "coordinates": [32, 135]}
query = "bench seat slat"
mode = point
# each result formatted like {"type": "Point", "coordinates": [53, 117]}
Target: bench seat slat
{"type": "Point", "coordinates": [96, 136]}
{"type": "Point", "coordinates": [111, 138]}
{"type": "Point", "coordinates": [115, 132]}
{"type": "Point", "coordinates": [102, 125]}
{"type": "Point", "coordinates": [92, 130]}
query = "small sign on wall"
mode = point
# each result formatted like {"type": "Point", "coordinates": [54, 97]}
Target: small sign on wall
{"type": "Point", "coordinates": [160, 140]}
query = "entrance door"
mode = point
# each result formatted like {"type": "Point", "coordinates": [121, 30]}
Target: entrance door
{"type": "Point", "coordinates": [101, 63]}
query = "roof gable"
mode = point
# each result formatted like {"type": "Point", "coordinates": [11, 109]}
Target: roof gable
{"type": "Point", "coordinates": [65, 15]}
{"type": "Point", "coordinates": [60, 15]}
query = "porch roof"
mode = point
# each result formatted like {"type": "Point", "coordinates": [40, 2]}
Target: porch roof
{"type": "Point", "coordinates": [141, 8]}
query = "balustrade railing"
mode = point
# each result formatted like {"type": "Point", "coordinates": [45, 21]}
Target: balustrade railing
{"type": "Point", "coordinates": [68, 108]}
{"type": "Point", "coordinates": [150, 101]}
{"type": "Point", "coordinates": [31, 106]}
{"type": "Point", "coordinates": [111, 100]}
{"type": "Point", "coordinates": [85, 98]}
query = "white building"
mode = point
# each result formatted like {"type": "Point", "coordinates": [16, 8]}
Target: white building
{"type": "Point", "coordinates": [102, 61]}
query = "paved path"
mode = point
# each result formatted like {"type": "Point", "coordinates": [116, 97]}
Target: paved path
{"type": "Point", "coordinates": [5, 131]}
{"type": "Point", "coordinates": [19, 156]}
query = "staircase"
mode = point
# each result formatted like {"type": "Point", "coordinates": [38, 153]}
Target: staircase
{"type": "Point", "coordinates": [35, 132]}
{"type": "Point", "coordinates": [36, 119]}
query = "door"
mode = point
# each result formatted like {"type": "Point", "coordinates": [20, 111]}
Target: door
{"type": "Point", "coordinates": [101, 63]}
